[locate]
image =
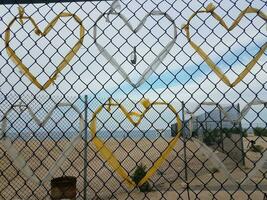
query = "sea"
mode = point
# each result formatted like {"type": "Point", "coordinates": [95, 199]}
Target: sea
{"type": "Point", "coordinates": [104, 135]}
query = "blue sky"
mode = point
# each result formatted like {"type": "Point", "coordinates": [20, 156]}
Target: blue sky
{"type": "Point", "coordinates": [92, 74]}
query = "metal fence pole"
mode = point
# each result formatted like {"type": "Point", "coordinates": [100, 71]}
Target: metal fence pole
{"type": "Point", "coordinates": [85, 145]}
{"type": "Point", "coordinates": [221, 127]}
{"type": "Point", "coordinates": [206, 121]}
{"type": "Point", "coordinates": [184, 141]}
{"type": "Point", "coordinates": [197, 129]}
{"type": "Point", "coordinates": [242, 135]}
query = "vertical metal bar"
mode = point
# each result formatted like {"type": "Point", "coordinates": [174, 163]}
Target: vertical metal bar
{"type": "Point", "coordinates": [221, 126]}
{"type": "Point", "coordinates": [206, 132]}
{"type": "Point", "coordinates": [242, 135]}
{"type": "Point", "coordinates": [85, 146]}
{"type": "Point", "coordinates": [184, 141]}
{"type": "Point", "coordinates": [197, 129]}
{"type": "Point", "coordinates": [206, 121]}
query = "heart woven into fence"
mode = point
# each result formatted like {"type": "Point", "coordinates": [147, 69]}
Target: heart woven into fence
{"type": "Point", "coordinates": [108, 154]}
{"type": "Point", "coordinates": [210, 154]}
{"type": "Point", "coordinates": [66, 60]}
{"type": "Point", "coordinates": [210, 9]}
{"type": "Point", "coordinates": [19, 160]}
{"type": "Point", "coordinates": [152, 65]}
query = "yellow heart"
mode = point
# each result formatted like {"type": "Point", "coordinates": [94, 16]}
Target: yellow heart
{"type": "Point", "coordinates": [210, 9]}
{"type": "Point", "coordinates": [25, 70]}
{"type": "Point", "coordinates": [108, 154]}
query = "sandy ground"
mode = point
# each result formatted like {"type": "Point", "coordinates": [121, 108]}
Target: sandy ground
{"type": "Point", "coordinates": [103, 183]}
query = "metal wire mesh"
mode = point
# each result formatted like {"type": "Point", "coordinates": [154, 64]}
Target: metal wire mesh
{"type": "Point", "coordinates": [95, 90]}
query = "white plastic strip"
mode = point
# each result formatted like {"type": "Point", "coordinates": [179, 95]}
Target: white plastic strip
{"type": "Point", "coordinates": [154, 64]}
{"type": "Point", "coordinates": [245, 110]}
{"type": "Point", "coordinates": [113, 7]}
{"type": "Point", "coordinates": [210, 154]}
{"type": "Point", "coordinates": [18, 159]}
{"type": "Point", "coordinates": [213, 158]}
{"type": "Point", "coordinates": [259, 166]}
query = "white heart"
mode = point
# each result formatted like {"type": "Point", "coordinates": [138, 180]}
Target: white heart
{"type": "Point", "coordinates": [210, 154]}
{"type": "Point", "coordinates": [154, 64]}
{"type": "Point", "coordinates": [18, 159]}
{"type": "Point", "coordinates": [216, 162]}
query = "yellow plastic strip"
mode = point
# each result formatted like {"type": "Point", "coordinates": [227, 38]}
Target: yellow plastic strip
{"type": "Point", "coordinates": [24, 69]}
{"type": "Point", "coordinates": [105, 152]}
{"type": "Point", "coordinates": [108, 154]}
{"type": "Point", "coordinates": [210, 9]}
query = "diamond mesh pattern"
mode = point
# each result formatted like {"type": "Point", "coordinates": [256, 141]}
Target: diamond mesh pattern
{"type": "Point", "coordinates": [221, 152]}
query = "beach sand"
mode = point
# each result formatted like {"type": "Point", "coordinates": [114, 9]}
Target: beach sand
{"type": "Point", "coordinates": [103, 183]}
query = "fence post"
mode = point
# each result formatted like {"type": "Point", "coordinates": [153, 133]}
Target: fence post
{"type": "Point", "coordinates": [242, 135]}
{"type": "Point", "coordinates": [221, 127]}
{"type": "Point", "coordinates": [197, 129]}
{"type": "Point", "coordinates": [206, 120]}
{"type": "Point", "coordinates": [184, 139]}
{"type": "Point", "coordinates": [85, 146]}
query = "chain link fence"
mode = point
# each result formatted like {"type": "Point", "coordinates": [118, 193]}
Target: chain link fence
{"type": "Point", "coordinates": [133, 100]}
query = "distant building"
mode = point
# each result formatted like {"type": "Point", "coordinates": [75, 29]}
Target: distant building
{"type": "Point", "coordinates": [203, 126]}
{"type": "Point", "coordinates": [210, 120]}
{"type": "Point", "coordinates": [214, 119]}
